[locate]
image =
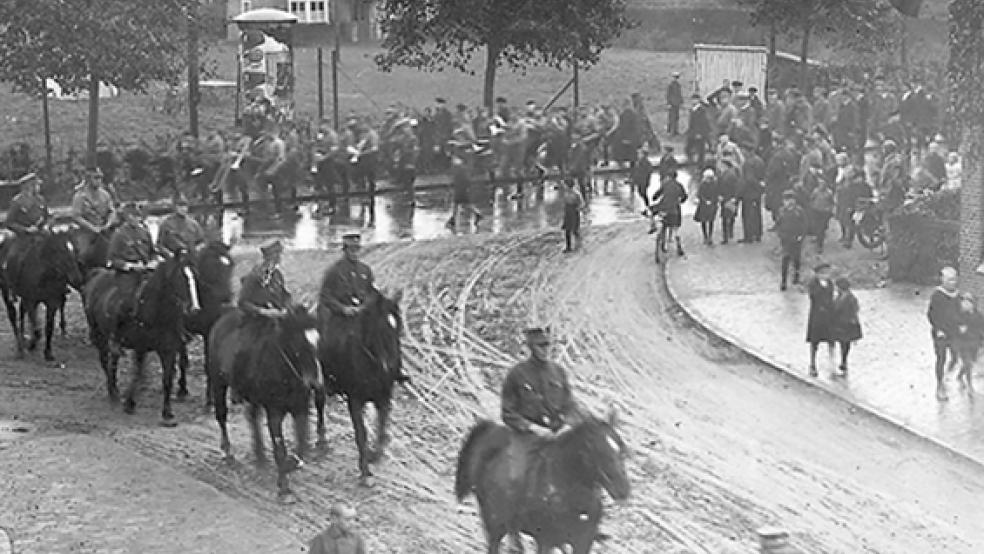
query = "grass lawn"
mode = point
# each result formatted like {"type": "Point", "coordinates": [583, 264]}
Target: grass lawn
{"type": "Point", "coordinates": [131, 118]}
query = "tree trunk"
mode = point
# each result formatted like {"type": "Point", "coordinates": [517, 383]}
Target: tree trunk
{"type": "Point", "coordinates": [93, 138]}
{"type": "Point", "coordinates": [491, 63]}
{"type": "Point", "coordinates": [804, 55]}
{"type": "Point", "coordinates": [193, 92]}
{"type": "Point", "coordinates": [771, 71]}
{"type": "Point", "coordinates": [48, 169]}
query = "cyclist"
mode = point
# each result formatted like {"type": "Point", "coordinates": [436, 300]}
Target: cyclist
{"type": "Point", "coordinates": [668, 201]}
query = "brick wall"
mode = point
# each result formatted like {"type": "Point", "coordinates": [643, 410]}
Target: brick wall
{"type": "Point", "coordinates": [971, 223]}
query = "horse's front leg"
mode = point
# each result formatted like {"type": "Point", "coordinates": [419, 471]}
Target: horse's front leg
{"type": "Point", "coordinates": [167, 385]}
{"type": "Point", "coordinates": [253, 415]}
{"type": "Point", "coordinates": [139, 361]}
{"type": "Point", "coordinates": [32, 318]}
{"type": "Point", "coordinates": [359, 426]}
{"type": "Point", "coordinates": [320, 400]}
{"type": "Point", "coordinates": [183, 371]}
{"type": "Point", "coordinates": [49, 326]}
{"type": "Point", "coordinates": [13, 313]}
{"type": "Point", "coordinates": [383, 410]}
{"type": "Point", "coordinates": [301, 415]}
{"type": "Point", "coordinates": [285, 464]}
{"type": "Point", "coordinates": [208, 371]}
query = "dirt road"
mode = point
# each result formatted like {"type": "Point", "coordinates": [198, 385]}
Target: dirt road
{"type": "Point", "coordinates": [721, 445]}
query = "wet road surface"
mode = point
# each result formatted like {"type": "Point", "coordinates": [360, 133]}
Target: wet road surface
{"type": "Point", "coordinates": [397, 220]}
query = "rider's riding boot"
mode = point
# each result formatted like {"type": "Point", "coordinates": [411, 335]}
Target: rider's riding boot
{"type": "Point", "coordinates": [679, 247]}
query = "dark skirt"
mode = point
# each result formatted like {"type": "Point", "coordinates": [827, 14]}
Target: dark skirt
{"type": "Point", "coordinates": [572, 218]}
{"type": "Point", "coordinates": [846, 331]}
{"type": "Point", "coordinates": [706, 211]}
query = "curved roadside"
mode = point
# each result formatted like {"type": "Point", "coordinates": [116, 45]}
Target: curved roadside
{"type": "Point", "coordinates": [881, 388]}
{"type": "Point", "coordinates": [723, 445]}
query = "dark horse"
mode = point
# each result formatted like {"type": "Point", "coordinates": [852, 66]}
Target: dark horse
{"type": "Point", "coordinates": [42, 277]}
{"type": "Point", "coordinates": [273, 370]}
{"type": "Point", "coordinates": [214, 268]}
{"type": "Point", "coordinates": [363, 369]}
{"type": "Point", "coordinates": [157, 325]}
{"type": "Point", "coordinates": [559, 500]}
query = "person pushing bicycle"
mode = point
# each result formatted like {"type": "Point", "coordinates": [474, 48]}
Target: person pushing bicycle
{"type": "Point", "coordinates": [668, 200]}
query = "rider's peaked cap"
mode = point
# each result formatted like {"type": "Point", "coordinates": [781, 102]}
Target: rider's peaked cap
{"type": "Point", "coordinates": [272, 247]}
{"type": "Point", "coordinates": [354, 239]}
{"type": "Point", "coordinates": [535, 334]}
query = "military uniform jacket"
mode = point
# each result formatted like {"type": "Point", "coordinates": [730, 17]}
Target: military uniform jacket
{"type": "Point", "coordinates": [130, 243]}
{"type": "Point", "coordinates": [92, 206]}
{"type": "Point", "coordinates": [179, 232]}
{"type": "Point", "coordinates": [26, 210]}
{"type": "Point", "coordinates": [791, 223]}
{"type": "Point", "coordinates": [346, 283]}
{"type": "Point", "coordinates": [263, 287]}
{"type": "Point", "coordinates": [536, 392]}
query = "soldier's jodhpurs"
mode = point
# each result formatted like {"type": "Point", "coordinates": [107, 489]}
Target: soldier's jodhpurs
{"type": "Point", "coordinates": [518, 454]}
{"type": "Point", "coordinates": [791, 253]}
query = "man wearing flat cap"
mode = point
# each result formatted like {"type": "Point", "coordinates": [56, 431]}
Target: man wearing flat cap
{"type": "Point", "coordinates": [27, 217]}
{"type": "Point", "coordinates": [94, 213]}
{"type": "Point", "coordinates": [179, 231]}
{"type": "Point", "coordinates": [674, 99]}
{"type": "Point", "coordinates": [345, 287]}
{"type": "Point", "coordinates": [339, 538]}
{"type": "Point", "coordinates": [537, 401]}
{"type": "Point", "coordinates": [791, 228]}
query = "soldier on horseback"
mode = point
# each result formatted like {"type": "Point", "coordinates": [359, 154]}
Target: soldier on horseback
{"type": "Point", "coordinates": [93, 212]}
{"type": "Point", "coordinates": [263, 296]}
{"type": "Point", "coordinates": [345, 288]}
{"type": "Point", "coordinates": [131, 255]}
{"type": "Point", "coordinates": [179, 231]}
{"type": "Point", "coordinates": [537, 401]}
{"type": "Point", "coordinates": [27, 218]}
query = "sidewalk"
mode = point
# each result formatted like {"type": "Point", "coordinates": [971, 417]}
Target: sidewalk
{"type": "Point", "coordinates": [733, 291]}
{"type": "Point", "coordinates": [78, 493]}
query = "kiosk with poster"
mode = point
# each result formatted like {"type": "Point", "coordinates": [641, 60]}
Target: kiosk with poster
{"type": "Point", "coordinates": [266, 66]}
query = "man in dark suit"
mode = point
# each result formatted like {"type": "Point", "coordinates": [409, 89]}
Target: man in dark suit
{"type": "Point", "coordinates": [674, 99]}
{"type": "Point", "coordinates": [698, 131]}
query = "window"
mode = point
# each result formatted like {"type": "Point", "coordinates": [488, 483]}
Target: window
{"type": "Point", "coordinates": [310, 11]}
{"type": "Point", "coordinates": [246, 5]}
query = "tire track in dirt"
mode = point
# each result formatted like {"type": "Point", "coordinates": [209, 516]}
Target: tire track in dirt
{"type": "Point", "coordinates": [710, 462]}
{"type": "Point", "coordinates": [701, 403]}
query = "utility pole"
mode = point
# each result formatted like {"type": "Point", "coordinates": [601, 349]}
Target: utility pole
{"type": "Point", "coordinates": [321, 85]}
{"type": "Point", "coordinates": [577, 86]}
{"type": "Point", "coordinates": [193, 91]}
{"type": "Point", "coordinates": [336, 56]}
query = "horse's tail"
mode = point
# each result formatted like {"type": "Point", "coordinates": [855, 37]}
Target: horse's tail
{"type": "Point", "coordinates": [463, 478]}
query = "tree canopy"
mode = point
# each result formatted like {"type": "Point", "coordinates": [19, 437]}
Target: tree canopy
{"type": "Point", "coordinates": [80, 43]}
{"type": "Point", "coordinates": [438, 34]}
{"type": "Point", "coordinates": [858, 25]}
{"type": "Point", "coordinates": [127, 44]}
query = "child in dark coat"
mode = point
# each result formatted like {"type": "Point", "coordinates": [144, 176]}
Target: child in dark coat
{"type": "Point", "coordinates": [968, 339]}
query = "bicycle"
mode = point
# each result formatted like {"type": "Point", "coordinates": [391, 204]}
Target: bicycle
{"type": "Point", "coordinates": [659, 228]}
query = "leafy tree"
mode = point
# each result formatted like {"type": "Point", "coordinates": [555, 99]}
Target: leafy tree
{"type": "Point", "coordinates": [80, 43]}
{"type": "Point", "coordinates": [855, 24]}
{"type": "Point", "coordinates": [436, 34]}
{"type": "Point", "coordinates": [966, 80]}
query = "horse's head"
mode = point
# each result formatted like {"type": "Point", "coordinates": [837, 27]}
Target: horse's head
{"type": "Point", "coordinates": [59, 253]}
{"type": "Point", "coordinates": [176, 281]}
{"type": "Point", "coordinates": [214, 266]}
{"type": "Point", "coordinates": [299, 338]}
{"type": "Point", "coordinates": [382, 324]}
{"type": "Point", "coordinates": [603, 453]}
